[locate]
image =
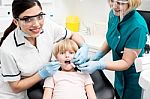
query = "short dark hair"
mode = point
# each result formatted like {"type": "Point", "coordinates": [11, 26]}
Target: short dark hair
{"type": "Point", "coordinates": [19, 6]}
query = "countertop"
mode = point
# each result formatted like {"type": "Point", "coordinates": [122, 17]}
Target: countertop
{"type": "Point", "coordinates": [94, 42]}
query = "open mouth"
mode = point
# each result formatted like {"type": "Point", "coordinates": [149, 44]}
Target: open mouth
{"type": "Point", "coordinates": [67, 62]}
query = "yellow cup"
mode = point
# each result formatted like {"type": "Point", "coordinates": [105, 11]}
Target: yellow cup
{"type": "Point", "coordinates": [72, 23]}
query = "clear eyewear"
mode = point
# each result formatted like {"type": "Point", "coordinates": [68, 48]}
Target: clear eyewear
{"type": "Point", "coordinates": [31, 19]}
{"type": "Point", "coordinates": [120, 2]}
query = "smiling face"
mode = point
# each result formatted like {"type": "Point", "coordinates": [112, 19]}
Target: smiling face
{"type": "Point", "coordinates": [64, 52]}
{"type": "Point", "coordinates": [32, 26]}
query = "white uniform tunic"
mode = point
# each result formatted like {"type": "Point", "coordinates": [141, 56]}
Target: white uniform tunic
{"type": "Point", "coordinates": [20, 59]}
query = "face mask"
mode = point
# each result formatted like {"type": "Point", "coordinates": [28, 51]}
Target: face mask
{"type": "Point", "coordinates": [24, 34]}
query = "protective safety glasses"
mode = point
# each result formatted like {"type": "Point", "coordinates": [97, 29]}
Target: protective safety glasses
{"type": "Point", "coordinates": [120, 2]}
{"type": "Point", "coordinates": [29, 20]}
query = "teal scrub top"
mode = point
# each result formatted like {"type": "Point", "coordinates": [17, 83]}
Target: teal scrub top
{"type": "Point", "coordinates": [129, 33]}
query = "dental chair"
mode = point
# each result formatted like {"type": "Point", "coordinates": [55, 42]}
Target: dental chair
{"type": "Point", "coordinates": [146, 16]}
{"type": "Point", "coordinates": [36, 92]}
{"type": "Point", "coordinates": [102, 86]}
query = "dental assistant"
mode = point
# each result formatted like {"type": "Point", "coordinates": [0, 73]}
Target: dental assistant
{"type": "Point", "coordinates": [26, 47]}
{"type": "Point", "coordinates": [126, 38]}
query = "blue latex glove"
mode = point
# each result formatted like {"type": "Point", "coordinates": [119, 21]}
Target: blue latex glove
{"type": "Point", "coordinates": [92, 66]}
{"type": "Point", "coordinates": [97, 56]}
{"type": "Point", "coordinates": [81, 55]}
{"type": "Point", "coordinates": [49, 69]}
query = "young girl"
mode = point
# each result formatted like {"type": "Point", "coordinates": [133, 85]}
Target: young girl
{"type": "Point", "coordinates": [68, 83]}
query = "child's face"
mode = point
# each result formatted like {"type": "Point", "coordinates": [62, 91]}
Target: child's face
{"type": "Point", "coordinates": [65, 58]}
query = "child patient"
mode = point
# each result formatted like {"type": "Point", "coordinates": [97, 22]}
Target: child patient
{"type": "Point", "coordinates": [68, 83]}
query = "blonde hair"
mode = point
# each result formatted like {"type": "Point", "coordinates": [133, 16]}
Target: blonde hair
{"type": "Point", "coordinates": [133, 4]}
{"type": "Point", "coordinates": [64, 45]}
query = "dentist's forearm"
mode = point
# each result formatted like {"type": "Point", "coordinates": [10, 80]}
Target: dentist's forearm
{"type": "Point", "coordinates": [25, 83]}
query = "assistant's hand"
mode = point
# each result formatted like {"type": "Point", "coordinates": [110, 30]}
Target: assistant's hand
{"type": "Point", "coordinates": [92, 66]}
{"type": "Point", "coordinates": [49, 69]}
{"type": "Point", "coordinates": [97, 56]}
{"type": "Point", "coordinates": [81, 55]}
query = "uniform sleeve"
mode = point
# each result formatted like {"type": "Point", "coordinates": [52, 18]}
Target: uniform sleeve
{"type": "Point", "coordinates": [49, 82]}
{"type": "Point", "coordinates": [59, 32]}
{"type": "Point", "coordinates": [9, 69]}
{"type": "Point", "coordinates": [88, 79]}
{"type": "Point", "coordinates": [137, 39]}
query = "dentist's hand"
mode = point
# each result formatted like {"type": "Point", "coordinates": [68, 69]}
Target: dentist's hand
{"type": "Point", "coordinates": [81, 55]}
{"type": "Point", "coordinates": [92, 66]}
{"type": "Point", "coordinates": [97, 56]}
{"type": "Point", "coordinates": [49, 69]}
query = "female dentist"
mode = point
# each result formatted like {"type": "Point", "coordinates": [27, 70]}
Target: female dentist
{"type": "Point", "coordinates": [126, 38]}
{"type": "Point", "coordinates": [26, 48]}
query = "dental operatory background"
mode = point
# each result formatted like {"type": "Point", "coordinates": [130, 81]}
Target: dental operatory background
{"type": "Point", "coordinates": [90, 16]}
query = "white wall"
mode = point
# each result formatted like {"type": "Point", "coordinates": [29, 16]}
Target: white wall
{"type": "Point", "coordinates": [93, 10]}
{"type": "Point", "coordinates": [87, 9]}
{"type": "Point", "coordinates": [145, 5]}
{"type": "Point", "coordinates": [63, 8]}
{"type": "Point", "coordinates": [92, 13]}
